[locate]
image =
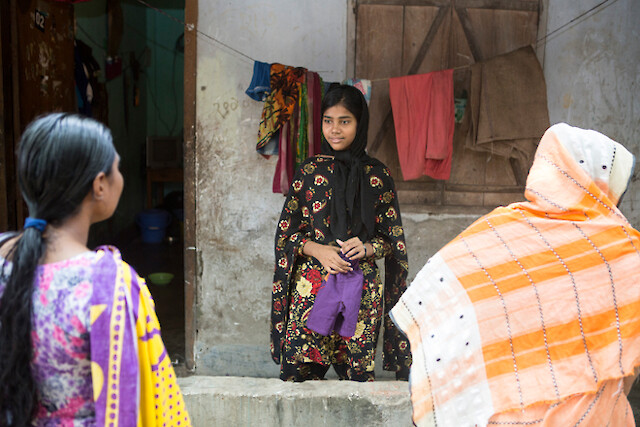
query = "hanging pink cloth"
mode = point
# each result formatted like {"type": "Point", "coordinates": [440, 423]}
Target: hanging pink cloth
{"type": "Point", "coordinates": [423, 114]}
{"type": "Point", "coordinates": [286, 158]}
{"type": "Point", "coordinates": [314, 122]}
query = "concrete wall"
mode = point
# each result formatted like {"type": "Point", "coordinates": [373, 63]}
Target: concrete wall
{"type": "Point", "coordinates": [235, 207]}
{"type": "Point", "coordinates": [236, 211]}
{"type": "Point", "coordinates": [269, 402]}
{"type": "Point", "coordinates": [592, 70]}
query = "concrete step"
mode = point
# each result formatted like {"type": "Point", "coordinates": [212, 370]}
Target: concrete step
{"type": "Point", "coordinates": [245, 401]}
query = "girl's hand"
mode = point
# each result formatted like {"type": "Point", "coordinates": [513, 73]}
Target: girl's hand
{"type": "Point", "coordinates": [328, 256]}
{"type": "Point", "coordinates": [355, 249]}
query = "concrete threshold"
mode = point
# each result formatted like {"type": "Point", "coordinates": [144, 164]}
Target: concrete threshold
{"type": "Point", "coordinates": [245, 401]}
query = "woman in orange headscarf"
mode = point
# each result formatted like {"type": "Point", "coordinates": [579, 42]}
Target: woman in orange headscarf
{"type": "Point", "coordinates": [531, 315]}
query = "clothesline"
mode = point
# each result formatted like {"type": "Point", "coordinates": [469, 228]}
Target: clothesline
{"type": "Point", "coordinates": [542, 39]}
{"type": "Point", "coordinates": [563, 26]}
{"type": "Point", "coordinates": [459, 67]}
{"type": "Point", "coordinates": [194, 28]}
{"type": "Point", "coordinates": [288, 117]}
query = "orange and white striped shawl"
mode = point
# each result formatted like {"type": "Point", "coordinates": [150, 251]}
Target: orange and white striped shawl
{"type": "Point", "coordinates": [534, 302]}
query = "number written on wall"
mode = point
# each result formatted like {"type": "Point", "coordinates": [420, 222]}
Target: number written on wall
{"type": "Point", "coordinates": [40, 19]}
{"type": "Point", "coordinates": [226, 107]}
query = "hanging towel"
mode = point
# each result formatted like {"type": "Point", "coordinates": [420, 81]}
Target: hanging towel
{"type": "Point", "coordinates": [286, 158]}
{"type": "Point", "coordinates": [507, 106]}
{"type": "Point", "coordinates": [424, 119]}
{"type": "Point", "coordinates": [260, 85]}
{"type": "Point", "coordinates": [314, 105]}
{"type": "Point", "coordinates": [279, 104]}
{"type": "Point", "coordinates": [302, 129]}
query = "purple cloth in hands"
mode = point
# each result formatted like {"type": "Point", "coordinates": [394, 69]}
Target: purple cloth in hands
{"type": "Point", "coordinates": [337, 303]}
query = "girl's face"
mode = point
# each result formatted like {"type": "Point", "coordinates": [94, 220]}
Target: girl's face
{"type": "Point", "coordinates": [339, 127]}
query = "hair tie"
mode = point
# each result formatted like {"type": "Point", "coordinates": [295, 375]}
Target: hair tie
{"type": "Point", "coordinates": [36, 223]}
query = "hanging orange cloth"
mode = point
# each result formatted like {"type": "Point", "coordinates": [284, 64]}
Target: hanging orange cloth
{"type": "Point", "coordinates": [279, 105]}
{"type": "Point", "coordinates": [424, 119]}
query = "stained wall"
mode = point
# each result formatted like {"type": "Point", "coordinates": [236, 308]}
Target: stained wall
{"type": "Point", "coordinates": [236, 208]}
{"type": "Point", "coordinates": [591, 71]}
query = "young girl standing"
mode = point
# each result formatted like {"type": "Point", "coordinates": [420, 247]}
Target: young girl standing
{"type": "Point", "coordinates": [341, 208]}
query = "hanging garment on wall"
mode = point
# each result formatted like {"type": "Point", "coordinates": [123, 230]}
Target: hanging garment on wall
{"type": "Point", "coordinates": [314, 105]}
{"type": "Point", "coordinates": [282, 174]}
{"type": "Point", "coordinates": [507, 109]}
{"type": "Point", "coordinates": [279, 104]}
{"type": "Point", "coordinates": [363, 85]}
{"type": "Point", "coordinates": [260, 85]}
{"type": "Point", "coordinates": [91, 94]}
{"type": "Point", "coordinates": [326, 86]}
{"type": "Point", "coordinates": [271, 147]}
{"type": "Point", "coordinates": [302, 134]}
{"type": "Point", "coordinates": [309, 128]}
{"type": "Point", "coordinates": [423, 114]}
{"type": "Point", "coordinates": [291, 123]}
{"type": "Point", "coordinates": [84, 90]}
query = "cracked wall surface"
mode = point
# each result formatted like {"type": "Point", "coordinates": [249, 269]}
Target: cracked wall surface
{"type": "Point", "coordinates": [592, 74]}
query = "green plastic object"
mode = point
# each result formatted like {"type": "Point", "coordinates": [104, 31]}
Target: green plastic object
{"type": "Point", "coordinates": [161, 279]}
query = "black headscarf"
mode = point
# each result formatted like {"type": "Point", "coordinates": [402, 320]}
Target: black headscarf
{"type": "Point", "coordinates": [352, 207]}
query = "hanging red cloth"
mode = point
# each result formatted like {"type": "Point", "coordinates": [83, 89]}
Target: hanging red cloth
{"type": "Point", "coordinates": [424, 119]}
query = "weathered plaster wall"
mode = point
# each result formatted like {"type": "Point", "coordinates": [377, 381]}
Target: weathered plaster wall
{"type": "Point", "coordinates": [236, 210]}
{"type": "Point", "coordinates": [592, 69]}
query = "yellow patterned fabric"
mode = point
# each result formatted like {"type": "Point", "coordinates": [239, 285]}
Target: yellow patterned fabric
{"type": "Point", "coordinates": [133, 380]}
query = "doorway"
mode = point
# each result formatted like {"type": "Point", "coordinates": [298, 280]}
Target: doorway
{"type": "Point", "coordinates": [132, 63]}
{"type": "Point", "coordinates": [139, 50]}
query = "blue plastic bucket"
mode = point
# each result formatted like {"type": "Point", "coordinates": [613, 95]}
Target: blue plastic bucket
{"type": "Point", "coordinates": [153, 224]}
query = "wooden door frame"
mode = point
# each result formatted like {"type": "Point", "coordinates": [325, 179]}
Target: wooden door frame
{"type": "Point", "coordinates": [12, 211]}
{"type": "Point", "coordinates": [4, 151]}
{"type": "Point", "coordinates": [11, 208]}
{"type": "Point", "coordinates": [189, 152]}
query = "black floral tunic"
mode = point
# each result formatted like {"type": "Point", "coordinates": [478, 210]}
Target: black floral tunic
{"type": "Point", "coordinates": [306, 216]}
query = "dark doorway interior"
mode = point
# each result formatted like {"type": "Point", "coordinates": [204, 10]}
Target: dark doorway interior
{"type": "Point", "coordinates": [140, 52]}
{"type": "Point", "coordinates": [132, 58]}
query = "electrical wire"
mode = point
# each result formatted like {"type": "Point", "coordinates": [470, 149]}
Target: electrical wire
{"type": "Point", "coordinates": [565, 25]}
{"type": "Point", "coordinates": [192, 27]}
{"type": "Point", "coordinates": [542, 39]}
